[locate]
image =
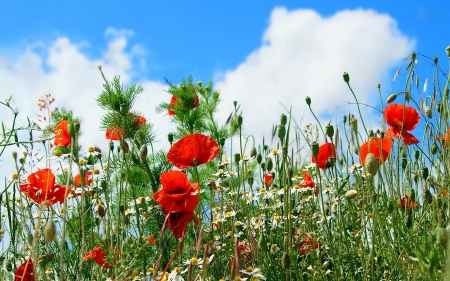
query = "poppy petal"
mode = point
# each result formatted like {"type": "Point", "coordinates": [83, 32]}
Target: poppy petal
{"type": "Point", "coordinates": [401, 116]}
{"type": "Point", "coordinates": [25, 272]}
{"type": "Point", "coordinates": [326, 151]}
{"type": "Point", "coordinates": [375, 146]}
{"type": "Point", "coordinates": [195, 146]}
{"type": "Point", "coordinates": [408, 138]}
{"type": "Point", "coordinates": [62, 137]}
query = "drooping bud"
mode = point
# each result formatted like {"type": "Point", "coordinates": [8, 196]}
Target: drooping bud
{"type": "Point", "coordinates": [308, 100]}
{"type": "Point", "coordinates": [125, 147]}
{"type": "Point", "coordinates": [283, 119]}
{"type": "Point", "coordinates": [350, 194]}
{"type": "Point", "coordinates": [253, 152]}
{"type": "Point", "coordinates": [391, 98]}
{"type": "Point", "coordinates": [329, 130]}
{"type": "Point", "coordinates": [143, 152]}
{"type": "Point", "coordinates": [434, 148]}
{"type": "Point", "coordinates": [315, 149]}
{"type": "Point", "coordinates": [371, 164]}
{"type": "Point", "coordinates": [111, 146]}
{"type": "Point", "coordinates": [425, 172]}
{"type": "Point", "coordinates": [428, 111]}
{"type": "Point", "coordinates": [101, 210]}
{"type": "Point", "coordinates": [99, 151]}
{"type": "Point", "coordinates": [269, 164]}
{"type": "Point", "coordinates": [250, 180]}
{"type": "Point", "coordinates": [50, 231]}
{"type": "Point", "coordinates": [346, 77]}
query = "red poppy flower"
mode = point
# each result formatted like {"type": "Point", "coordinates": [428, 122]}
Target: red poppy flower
{"type": "Point", "coordinates": [177, 193]}
{"type": "Point", "coordinates": [114, 134]}
{"type": "Point", "coordinates": [326, 151]}
{"type": "Point", "coordinates": [62, 137]}
{"type": "Point", "coordinates": [405, 202]}
{"type": "Point", "coordinates": [375, 146]}
{"type": "Point", "coordinates": [244, 250]}
{"type": "Point", "coordinates": [42, 189]}
{"type": "Point", "coordinates": [25, 272]}
{"type": "Point", "coordinates": [139, 121]}
{"type": "Point", "coordinates": [99, 257]}
{"type": "Point", "coordinates": [307, 180]}
{"type": "Point", "coordinates": [174, 101]}
{"type": "Point", "coordinates": [401, 119]}
{"type": "Point", "coordinates": [195, 146]}
{"type": "Point", "coordinates": [444, 137]}
{"type": "Point", "coordinates": [87, 179]}
{"type": "Point", "coordinates": [308, 246]}
{"type": "Point", "coordinates": [268, 179]}
{"type": "Point", "coordinates": [178, 221]}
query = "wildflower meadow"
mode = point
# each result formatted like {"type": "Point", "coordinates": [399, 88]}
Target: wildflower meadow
{"type": "Point", "coordinates": [320, 201]}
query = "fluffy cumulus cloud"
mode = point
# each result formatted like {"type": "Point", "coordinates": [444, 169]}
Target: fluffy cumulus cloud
{"type": "Point", "coordinates": [304, 54]}
{"type": "Point", "coordinates": [75, 81]}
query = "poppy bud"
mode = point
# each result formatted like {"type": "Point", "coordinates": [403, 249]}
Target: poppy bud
{"type": "Point", "coordinates": [253, 152]}
{"type": "Point", "coordinates": [290, 172]}
{"type": "Point", "coordinates": [441, 236]}
{"type": "Point", "coordinates": [404, 162]}
{"type": "Point", "coordinates": [286, 260]}
{"type": "Point", "coordinates": [330, 162]}
{"type": "Point", "coordinates": [354, 124]}
{"type": "Point", "coordinates": [281, 132]}
{"type": "Point", "coordinates": [123, 109]}
{"type": "Point", "coordinates": [350, 194]}
{"type": "Point", "coordinates": [428, 196]}
{"type": "Point", "coordinates": [428, 111]}
{"type": "Point", "coordinates": [283, 119]}
{"type": "Point", "coordinates": [170, 138]}
{"type": "Point", "coordinates": [447, 50]}
{"type": "Point", "coordinates": [50, 231]}
{"type": "Point", "coordinates": [434, 148]}
{"type": "Point", "coordinates": [239, 120]}
{"type": "Point", "coordinates": [111, 146]}
{"type": "Point", "coordinates": [391, 98]}
{"type": "Point", "coordinates": [14, 155]}
{"type": "Point", "coordinates": [308, 100]}
{"type": "Point", "coordinates": [99, 151]}
{"type": "Point", "coordinates": [425, 172]}
{"type": "Point", "coordinates": [371, 164]}
{"type": "Point", "coordinates": [101, 210]}
{"type": "Point", "coordinates": [269, 164]}
{"type": "Point", "coordinates": [143, 152]}
{"type": "Point", "coordinates": [234, 103]}
{"type": "Point", "coordinates": [329, 130]}
{"type": "Point", "coordinates": [250, 180]}
{"type": "Point", "coordinates": [346, 77]}
{"type": "Point", "coordinates": [439, 107]}
{"type": "Point", "coordinates": [71, 129]}
{"type": "Point", "coordinates": [259, 158]}
{"type": "Point", "coordinates": [344, 119]}
{"type": "Point", "coordinates": [125, 147]}
{"type": "Point", "coordinates": [237, 157]}
{"type": "Point", "coordinates": [416, 154]}
{"type": "Point", "coordinates": [195, 161]}
{"type": "Point", "coordinates": [407, 95]}
{"type": "Point", "coordinates": [415, 178]}
{"type": "Point", "coordinates": [435, 59]}
{"type": "Point", "coordinates": [356, 149]}
{"type": "Point", "coordinates": [215, 96]}
{"type": "Point", "coordinates": [315, 149]}
{"type": "Point", "coordinates": [371, 133]}
{"type": "Point", "coordinates": [403, 152]}
{"type": "Point", "coordinates": [412, 195]}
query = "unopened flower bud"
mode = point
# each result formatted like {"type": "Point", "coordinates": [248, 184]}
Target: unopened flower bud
{"type": "Point", "coordinates": [329, 130]}
{"type": "Point", "coordinates": [170, 138]}
{"type": "Point", "coordinates": [425, 172]}
{"type": "Point", "coordinates": [350, 194]}
{"type": "Point", "coordinates": [308, 100]}
{"type": "Point", "coordinates": [281, 132]}
{"type": "Point", "coordinates": [76, 126]}
{"type": "Point", "coordinates": [441, 236]}
{"type": "Point", "coordinates": [239, 120]}
{"type": "Point", "coordinates": [259, 158]}
{"type": "Point", "coordinates": [404, 162]}
{"type": "Point", "coordinates": [101, 210]}
{"type": "Point", "coordinates": [416, 154]}
{"type": "Point", "coordinates": [346, 77]}
{"type": "Point", "coordinates": [143, 152]}
{"type": "Point", "coordinates": [354, 124]}
{"type": "Point", "coordinates": [344, 119]}
{"type": "Point", "coordinates": [286, 260]}
{"type": "Point", "coordinates": [50, 231]}
{"type": "Point", "coordinates": [428, 111]}
{"type": "Point", "coordinates": [269, 164]}
{"type": "Point", "coordinates": [71, 129]}
{"type": "Point", "coordinates": [237, 157]}
{"type": "Point", "coordinates": [436, 60]}
{"type": "Point", "coordinates": [434, 148]}
{"type": "Point", "coordinates": [315, 149]}
{"type": "Point", "coordinates": [253, 152]}
{"type": "Point", "coordinates": [283, 119]}
{"type": "Point", "coordinates": [391, 98]}
{"type": "Point", "coordinates": [14, 155]}
{"type": "Point", "coordinates": [371, 164]}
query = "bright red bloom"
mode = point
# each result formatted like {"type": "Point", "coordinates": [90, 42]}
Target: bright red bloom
{"type": "Point", "coordinates": [42, 189]}
{"type": "Point", "coordinates": [375, 146]}
{"type": "Point", "coordinates": [401, 119]}
{"type": "Point", "coordinates": [245, 251]}
{"type": "Point", "coordinates": [62, 137]}
{"type": "Point", "coordinates": [87, 179]}
{"type": "Point", "coordinates": [268, 179]}
{"type": "Point", "coordinates": [326, 151]}
{"type": "Point", "coordinates": [178, 221]}
{"type": "Point", "coordinates": [307, 180]}
{"type": "Point", "coordinates": [308, 246]}
{"type": "Point", "coordinates": [177, 193]}
{"type": "Point", "coordinates": [139, 121]}
{"type": "Point", "coordinates": [174, 101]}
{"type": "Point", "coordinates": [195, 146]}
{"type": "Point", "coordinates": [25, 272]}
{"type": "Point", "coordinates": [99, 257]}
{"type": "Point", "coordinates": [407, 203]}
{"type": "Point", "coordinates": [114, 134]}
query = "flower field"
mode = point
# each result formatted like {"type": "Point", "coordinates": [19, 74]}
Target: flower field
{"type": "Point", "coordinates": [340, 201]}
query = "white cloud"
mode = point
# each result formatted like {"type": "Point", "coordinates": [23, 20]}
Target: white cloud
{"type": "Point", "coordinates": [305, 54]}
{"type": "Point", "coordinates": [75, 81]}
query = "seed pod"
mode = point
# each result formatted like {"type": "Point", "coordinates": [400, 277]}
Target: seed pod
{"type": "Point", "coordinates": [308, 100]}
{"type": "Point", "coordinates": [315, 149]}
{"type": "Point", "coordinates": [346, 77]}
{"type": "Point", "coordinates": [371, 164]}
{"type": "Point", "coordinates": [101, 210]}
{"type": "Point", "coordinates": [350, 194]}
{"type": "Point", "coordinates": [50, 231]}
{"type": "Point", "coordinates": [281, 132]}
{"type": "Point", "coordinates": [441, 236]}
{"type": "Point", "coordinates": [237, 157]}
{"type": "Point", "coordinates": [286, 260]}
{"type": "Point", "coordinates": [240, 120]}
{"type": "Point", "coordinates": [253, 152]}
{"type": "Point", "coordinates": [143, 152]}
{"type": "Point", "coordinates": [283, 119]}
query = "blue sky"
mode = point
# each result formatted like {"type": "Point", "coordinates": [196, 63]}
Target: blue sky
{"type": "Point", "coordinates": [260, 53]}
